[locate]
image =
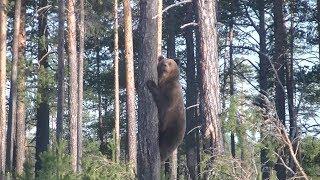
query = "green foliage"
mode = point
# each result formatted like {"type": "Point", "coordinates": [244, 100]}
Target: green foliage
{"type": "Point", "coordinates": [100, 167]}
{"type": "Point", "coordinates": [57, 164]}
{"type": "Point", "coordinates": [310, 154]}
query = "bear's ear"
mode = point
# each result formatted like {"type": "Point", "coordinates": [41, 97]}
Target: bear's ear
{"type": "Point", "coordinates": [160, 58]}
{"type": "Point", "coordinates": [177, 60]}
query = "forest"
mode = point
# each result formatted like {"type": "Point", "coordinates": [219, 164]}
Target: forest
{"type": "Point", "coordinates": [86, 86]}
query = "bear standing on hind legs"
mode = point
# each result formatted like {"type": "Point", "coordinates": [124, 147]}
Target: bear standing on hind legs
{"type": "Point", "coordinates": [169, 100]}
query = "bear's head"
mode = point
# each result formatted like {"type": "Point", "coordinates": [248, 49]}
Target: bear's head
{"type": "Point", "coordinates": [168, 70]}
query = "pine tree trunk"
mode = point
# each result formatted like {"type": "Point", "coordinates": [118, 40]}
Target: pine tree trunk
{"type": "Point", "coordinates": [61, 73]}
{"type": "Point", "coordinates": [263, 80]}
{"type": "Point", "coordinates": [130, 87]}
{"type": "Point", "coordinates": [279, 64]}
{"type": "Point", "coordinates": [42, 133]}
{"type": "Point", "coordinates": [13, 91]}
{"type": "Point", "coordinates": [232, 89]}
{"type": "Point", "coordinates": [116, 84]}
{"type": "Point", "coordinates": [80, 84]}
{"type": "Point", "coordinates": [191, 101]}
{"type": "Point", "coordinates": [148, 153]}
{"type": "Point", "coordinates": [172, 163]}
{"type": "Point", "coordinates": [101, 130]}
{"type": "Point", "coordinates": [159, 22]}
{"type": "Point", "coordinates": [293, 132]}
{"type": "Point", "coordinates": [21, 89]}
{"type": "Point", "coordinates": [3, 51]}
{"type": "Point", "coordinates": [209, 78]}
{"type": "Point", "coordinates": [72, 44]}
{"type": "Point", "coordinates": [318, 18]}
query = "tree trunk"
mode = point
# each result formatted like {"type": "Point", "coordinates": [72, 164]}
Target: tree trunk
{"type": "Point", "coordinates": [149, 155]}
{"type": "Point", "coordinates": [21, 89]}
{"type": "Point", "coordinates": [13, 90]}
{"type": "Point", "coordinates": [61, 73]}
{"type": "Point", "coordinates": [191, 102]}
{"type": "Point", "coordinates": [42, 133]}
{"type": "Point", "coordinates": [290, 87]}
{"type": "Point", "coordinates": [171, 164]}
{"type": "Point", "coordinates": [72, 44]}
{"type": "Point", "coordinates": [101, 130]}
{"type": "Point", "coordinates": [3, 62]}
{"type": "Point", "coordinates": [130, 87]}
{"type": "Point", "coordinates": [209, 77]}
{"type": "Point", "coordinates": [263, 80]}
{"type": "Point", "coordinates": [80, 84]}
{"type": "Point", "coordinates": [116, 84]}
{"type": "Point", "coordinates": [232, 89]}
{"type": "Point", "coordinates": [318, 18]}
{"type": "Point", "coordinates": [171, 40]}
{"type": "Point", "coordinates": [159, 22]}
{"type": "Point", "coordinates": [279, 61]}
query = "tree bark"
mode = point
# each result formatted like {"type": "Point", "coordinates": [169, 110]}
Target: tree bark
{"type": "Point", "coordinates": [3, 62]}
{"type": "Point", "coordinates": [172, 163]}
{"type": "Point", "coordinates": [101, 130]}
{"type": "Point", "coordinates": [61, 73]}
{"type": "Point", "coordinates": [80, 85]}
{"type": "Point", "coordinates": [159, 22]}
{"type": "Point", "coordinates": [232, 88]}
{"type": "Point", "coordinates": [13, 91]}
{"type": "Point", "coordinates": [148, 146]}
{"type": "Point", "coordinates": [279, 64]}
{"type": "Point", "coordinates": [72, 44]}
{"type": "Point", "coordinates": [263, 80]}
{"type": "Point", "coordinates": [191, 101]}
{"type": "Point", "coordinates": [209, 78]}
{"type": "Point", "coordinates": [21, 89]}
{"type": "Point", "coordinates": [293, 132]}
{"type": "Point", "coordinates": [42, 133]}
{"type": "Point", "coordinates": [130, 87]}
{"type": "Point", "coordinates": [318, 18]}
{"type": "Point", "coordinates": [116, 83]}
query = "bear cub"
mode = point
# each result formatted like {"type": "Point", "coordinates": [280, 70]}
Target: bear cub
{"type": "Point", "coordinates": [169, 100]}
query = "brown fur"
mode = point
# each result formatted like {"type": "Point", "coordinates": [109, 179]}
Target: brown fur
{"type": "Point", "coordinates": [168, 97]}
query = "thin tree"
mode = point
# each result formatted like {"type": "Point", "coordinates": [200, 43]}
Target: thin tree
{"type": "Point", "coordinates": [21, 90]}
{"type": "Point", "coordinates": [263, 79]}
{"type": "Point", "coordinates": [279, 64]}
{"type": "Point", "coordinates": [80, 84]}
{"type": "Point", "coordinates": [101, 130]}
{"type": "Point", "coordinates": [116, 84]}
{"type": "Point", "coordinates": [130, 87]}
{"type": "Point", "coordinates": [42, 133]}
{"type": "Point", "coordinates": [159, 32]}
{"type": "Point", "coordinates": [293, 128]}
{"type": "Point", "coordinates": [192, 136]}
{"type": "Point", "coordinates": [148, 144]}
{"type": "Point", "coordinates": [72, 53]}
{"type": "Point", "coordinates": [3, 59]}
{"type": "Point", "coordinates": [209, 77]}
{"type": "Point", "coordinates": [318, 18]}
{"type": "Point", "coordinates": [171, 165]}
{"type": "Point", "coordinates": [61, 73]}
{"type": "Point", "coordinates": [13, 90]}
{"type": "Point", "coordinates": [231, 73]}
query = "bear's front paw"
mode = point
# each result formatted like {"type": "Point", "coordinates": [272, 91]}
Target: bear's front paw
{"type": "Point", "coordinates": [151, 84]}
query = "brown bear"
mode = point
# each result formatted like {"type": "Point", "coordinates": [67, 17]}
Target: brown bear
{"type": "Point", "coordinates": [169, 100]}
